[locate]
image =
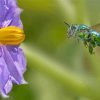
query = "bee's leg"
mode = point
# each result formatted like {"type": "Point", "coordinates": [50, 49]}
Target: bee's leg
{"type": "Point", "coordinates": [85, 43]}
{"type": "Point", "coordinates": [78, 39]}
{"type": "Point", "coordinates": [90, 46]}
{"type": "Point", "coordinates": [93, 42]}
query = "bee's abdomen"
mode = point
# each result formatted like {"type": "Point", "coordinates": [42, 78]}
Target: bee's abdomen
{"type": "Point", "coordinates": [11, 35]}
{"type": "Point", "coordinates": [96, 37]}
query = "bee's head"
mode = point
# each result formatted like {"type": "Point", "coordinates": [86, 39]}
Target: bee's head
{"type": "Point", "coordinates": [71, 30]}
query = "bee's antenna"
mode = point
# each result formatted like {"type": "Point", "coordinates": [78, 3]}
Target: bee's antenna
{"type": "Point", "coordinates": [67, 24]}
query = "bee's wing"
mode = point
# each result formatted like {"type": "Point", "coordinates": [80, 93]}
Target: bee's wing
{"type": "Point", "coordinates": [96, 27]}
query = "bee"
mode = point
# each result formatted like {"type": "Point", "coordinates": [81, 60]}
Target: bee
{"type": "Point", "coordinates": [11, 35]}
{"type": "Point", "coordinates": [89, 35]}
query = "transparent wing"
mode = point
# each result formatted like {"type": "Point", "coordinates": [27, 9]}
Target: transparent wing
{"type": "Point", "coordinates": [96, 27]}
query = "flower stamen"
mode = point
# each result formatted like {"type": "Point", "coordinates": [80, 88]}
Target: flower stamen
{"type": "Point", "coordinates": [11, 35]}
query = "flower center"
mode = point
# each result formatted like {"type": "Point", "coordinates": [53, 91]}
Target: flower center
{"type": "Point", "coordinates": [11, 35]}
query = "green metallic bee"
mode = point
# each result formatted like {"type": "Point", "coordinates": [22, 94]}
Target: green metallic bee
{"type": "Point", "coordinates": [89, 35]}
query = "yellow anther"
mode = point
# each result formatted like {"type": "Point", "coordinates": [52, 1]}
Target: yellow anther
{"type": "Point", "coordinates": [11, 35]}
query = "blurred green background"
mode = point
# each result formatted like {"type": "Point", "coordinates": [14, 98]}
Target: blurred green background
{"type": "Point", "coordinates": [58, 68]}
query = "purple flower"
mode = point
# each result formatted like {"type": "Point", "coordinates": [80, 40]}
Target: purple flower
{"type": "Point", "coordinates": [12, 60]}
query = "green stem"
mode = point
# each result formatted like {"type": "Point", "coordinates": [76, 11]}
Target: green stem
{"type": "Point", "coordinates": [71, 81]}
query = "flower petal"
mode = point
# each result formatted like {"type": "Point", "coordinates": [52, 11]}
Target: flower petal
{"type": "Point", "coordinates": [14, 71]}
{"type": "Point", "coordinates": [10, 13]}
{"type": "Point", "coordinates": [4, 73]}
{"type": "Point", "coordinates": [12, 59]}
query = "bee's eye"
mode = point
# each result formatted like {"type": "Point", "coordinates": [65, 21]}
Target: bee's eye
{"type": "Point", "coordinates": [73, 27]}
